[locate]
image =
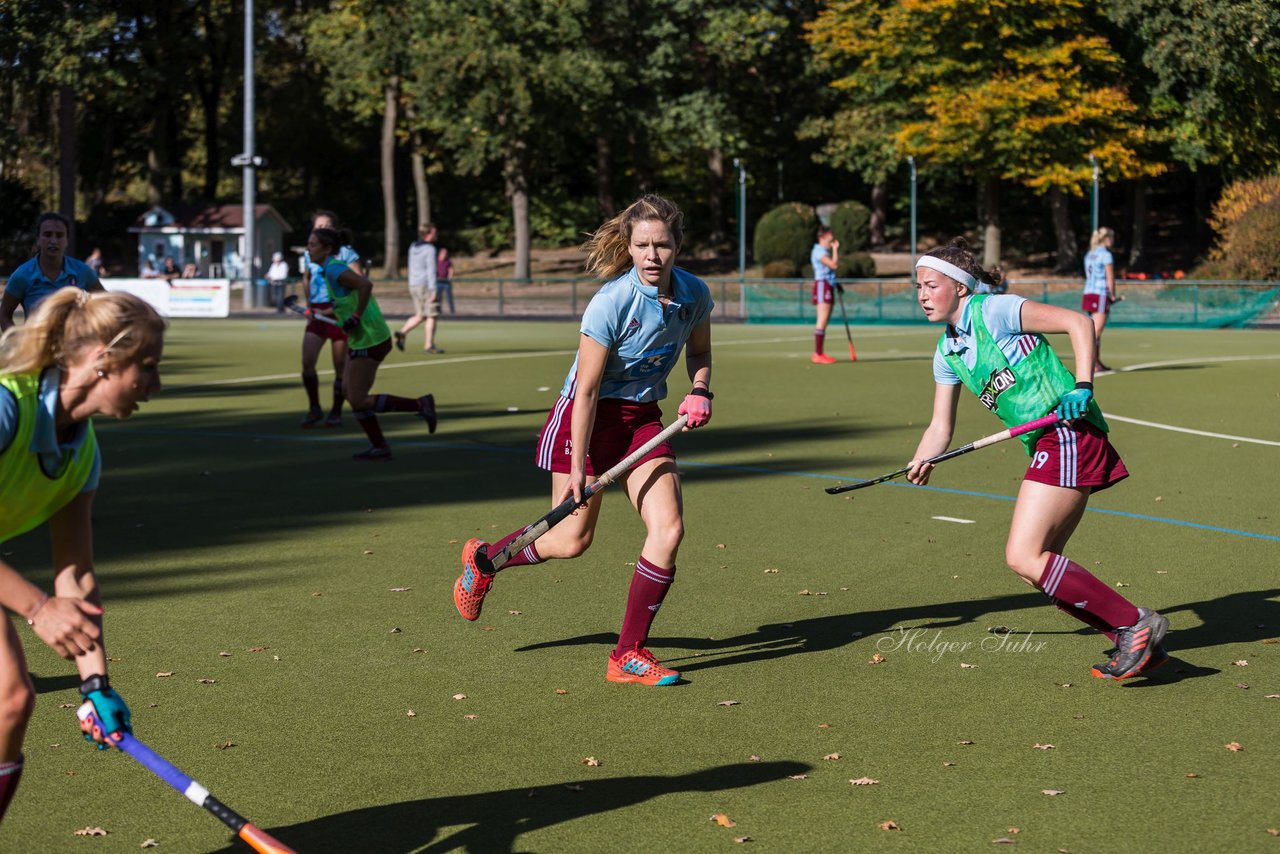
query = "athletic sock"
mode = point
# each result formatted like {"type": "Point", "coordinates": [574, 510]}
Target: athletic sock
{"type": "Point", "coordinates": [392, 403]}
{"type": "Point", "coordinates": [1085, 617]}
{"type": "Point", "coordinates": [337, 398]}
{"type": "Point", "coordinates": [10, 774]}
{"type": "Point", "coordinates": [369, 423]}
{"type": "Point", "coordinates": [311, 383]}
{"type": "Point", "coordinates": [1081, 590]}
{"type": "Point", "coordinates": [649, 586]}
{"type": "Point", "coordinates": [819, 340]}
{"type": "Point", "coordinates": [527, 556]}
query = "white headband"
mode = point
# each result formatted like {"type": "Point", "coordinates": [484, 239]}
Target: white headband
{"type": "Point", "coordinates": [948, 269]}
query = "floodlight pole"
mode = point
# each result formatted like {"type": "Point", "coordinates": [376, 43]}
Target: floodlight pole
{"type": "Point", "coordinates": [911, 161]}
{"type": "Point", "coordinates": [742, 219]}
{"type": "Point", "coordinates": [250, 236]}
{"type": "Point", "coordinates": [1093, 161]}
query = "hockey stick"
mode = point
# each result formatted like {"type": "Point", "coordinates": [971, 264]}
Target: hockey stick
{"type": "Point", "coordinates": [853, 357]}
{"type": "Point", "coordinates": [1045, 421]}
{"type": "Point", "coordinates": [562, 510]}
{"type": "Point", "coordinates": [291, 303]}
{"type": "Point", "coordinates": [193, 791]}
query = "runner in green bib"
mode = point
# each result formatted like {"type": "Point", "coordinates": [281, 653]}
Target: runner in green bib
{"type": "Point", "coordinates": [368, 340]}
{"type": "Point", "coordinates": [77, 356]}
{"type": "Point", "coordinates": [995, 346]}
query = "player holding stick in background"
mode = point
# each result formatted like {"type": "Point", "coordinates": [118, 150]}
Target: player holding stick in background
{"type": "Point", "coordinates": [825, 258]}
{"type": "Point", "coordinates": [368, 340]}
{"type": "Point", "coordinates": [631, 336]}
{"type": "Point", "coordinates": [317, 331]}
{"type": "Point", "coordinates": [79, 355]}
{"type": "Point", "coordinates": [995, 346]}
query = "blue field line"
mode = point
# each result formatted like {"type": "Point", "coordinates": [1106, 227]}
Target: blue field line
{"type": "Point", "coordinates": [505, 449]}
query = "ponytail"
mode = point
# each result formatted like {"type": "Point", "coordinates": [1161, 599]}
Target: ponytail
{"type": "Point", "coordinates": [608, 249]}
{"type": "Point", "coordinates": [957, 252]}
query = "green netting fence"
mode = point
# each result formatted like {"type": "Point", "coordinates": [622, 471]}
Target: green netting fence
{"type": "Point", "coordinates": [1205, 304]}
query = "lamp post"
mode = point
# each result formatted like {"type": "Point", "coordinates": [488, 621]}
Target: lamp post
{"type": "Point", "coordinates": [1093, 161]}
{"type": "Point", "coordinates": [911, 161]}
{"type": "Point", "coordinates": [742, 219]}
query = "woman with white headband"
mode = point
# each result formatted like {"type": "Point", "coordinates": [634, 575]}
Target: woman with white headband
{"type": "Point", "coordinates": [995, 346]}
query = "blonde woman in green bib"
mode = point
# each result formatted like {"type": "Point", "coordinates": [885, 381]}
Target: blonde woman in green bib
{"type": "Point", "coordinates": [994, 345]}
{"type": "Point", "coordinates": [78, 356]}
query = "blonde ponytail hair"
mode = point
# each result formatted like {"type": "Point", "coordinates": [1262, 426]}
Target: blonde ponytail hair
{"type": "Point", "coordinates": [72, 321]}
{"type": "Point", "coordinates": [1095, 240]}
{"type": "Point", "coordinates": [608, 254]}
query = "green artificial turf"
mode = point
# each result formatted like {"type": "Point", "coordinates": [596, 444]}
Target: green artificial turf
{"type": "Point", "coordinates": [323, 685]}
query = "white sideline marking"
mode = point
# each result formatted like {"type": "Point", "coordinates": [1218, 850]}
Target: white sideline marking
{"type": "Point", "coordinates": [1194, 361]}
{"type": "Point", "coordinates": [954, 519]}
{"type": "Point", "coordinates": [1206, 433]}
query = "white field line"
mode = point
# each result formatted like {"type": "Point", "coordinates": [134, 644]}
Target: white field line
{"type": "Point", "coordinates": [1205, 433]}
{"type": "Point", "coordinates": [1195, 361]}
{"type": "Point", "coordinates": [954, 519]}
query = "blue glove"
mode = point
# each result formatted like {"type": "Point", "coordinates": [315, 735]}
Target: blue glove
{"type": "Point", "coordinates": [351, 324]}
{"type": "Point", "coordinates": [111, 710]}
{"type": "Point", "coordinates": [1075, 403]}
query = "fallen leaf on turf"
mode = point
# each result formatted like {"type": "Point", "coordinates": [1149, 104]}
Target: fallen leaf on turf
{"type": "Point", "coordinates": [1121, 584]}
{"type": "Point", "coordinates": [259, 648]}
{"type": "Point", "coordinates": [418, 649]}
{"type": "Point", "coordinates": [727, 703]}
{"type": "Point", "coordinates": [999, 630]}
{"type": "Point", "coordinates": [964, 666]}
{"type": "Point", "coordinates": [1162, 572]}
{"type": "Point", "coordinates": [224, 655]}
{"type": "Point", "coordinates": [890, 825]}
{"type": "Point", "coordinates": [1077, 717]}
{"type": "Point", "coordinates": [1004, 840]}
{"type": "Point", "coordinates": [453, 542]}
{"type": "Point", "coordinates": [1159, 498]}
{"type": "Point", "coordinates": [486, 628]}
{"type": "Point", "coordinates": [317, 594]}
{"type": "Point", "coordinates": [1271, 640]}
{"type": "Point", "coordinates": [721, 546]}
{"type": "Point", "coordinates": [1052, 792]}
{"type": "Point", "coordinates": [864, 781]}
{"type": "Point", "coordinates": [771, 572]}
{"type": "Point", "coordinates": [1273, 831]}
{"type": "Point", "coordinates": [1242, 685]}
{"type": "Point", "coordinates": [67, 706]}
{"type": "Point", "coordinates": [797, 776]}
{"type": "Point", "coordinates": [753, 758]}
{"type": "Point", "coordinates": [856, 635]}
{"type": "Point", "coordinates": [1240, 663]}
{"type": "Point", "coordinates": [591, 761]}
{"type": "Point", "coordinates": [824, 726]}
{"type": "Point", "coordinates": [275, 658]}
{"type": "Point", "coordinates": [804, 592]}
{"type": "Point", "coordinates": [561, 691]}
{"type": "Point", "coordinates": [742, 839]}
{"type": "Point", "coordinates": [394, 631]}
{"type": "Point", "coordinates": [470, 717]}
{"type": "Point", "coordinates": [226, 745]}
{"type": "Point", "coordinates": [1039, 746]}
{"type": "Point", "coordinates": [411, 714]}
{"type": "Point", "coordinates": [90, 831]}
{"type": "Point", "coordinates": [573, 787]}
{"type": "Point", "coordinates": [831, 757]}
{"type": "Point", "coordinates": [723, 820]}
{"type": "Point", "coordinates": [1191, 776]}
{"type": "Point", "coordinates": [948, 764]}
{"type": "Point", "coordinates": [164, 673]}
{"type": "Point", "coordinates": [1273, 696]}
{"type": "Point", "coordinates": [58, 744]}
{"type": "Point", "coordinates": [966, 741]}
{"type": "Point", "coordinates": [876, 659]}
{"type": "Point", "coordinates": [1065, 685]}
{"type": "Point", "coordinates": [515, 613]}
{"type": "Point", "coordinates": [1234, 747]}
{"type": "Point", "coordinates": [1014, 829]}
{"type": "Point", "coordinates": [401, 589]}
{"type": "Point", "coordinates": [148, 843]}
{"type": "Point", "coordinates": [459, 696]}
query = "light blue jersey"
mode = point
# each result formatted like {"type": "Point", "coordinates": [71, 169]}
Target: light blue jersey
{"type": "Point", "coordinates": [821, 272]}
{"type": "Point", "coordinates": [643, 337]}
{"type": "Point", "coordinates": [319, 292]}
{"type": "Point", "coordinates": [1002, 315]}
{"type": "Point", "coordinates": [1095, 270]}
{"type": "Point", "coordinates": [29, 286]}
{"type": "Point", "coordinates": [44, 441]}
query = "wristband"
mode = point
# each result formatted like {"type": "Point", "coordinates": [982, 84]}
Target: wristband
{"type": "Point", "coordinates": [702, 392]}
{"type": "Point", "coordinates": [1088, 386]}
{"type": "Point", "coordinates": [31, 618]}
{"type": "Point", "coordinates": [93, 683]}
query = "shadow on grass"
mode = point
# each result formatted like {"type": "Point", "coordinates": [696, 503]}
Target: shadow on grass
{"type": "Point", "coordinates": [493, 821]}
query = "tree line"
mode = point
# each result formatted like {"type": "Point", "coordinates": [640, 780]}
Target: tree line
{"type": "Point", "coordinates": [515, 121]}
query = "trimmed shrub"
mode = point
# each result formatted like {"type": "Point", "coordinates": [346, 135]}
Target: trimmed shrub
{"type": "Point", "coordinates": [783, 269]}
{"type": "Point", "coordinates": [855, 265]}
{"type": "Point", "coordinates": [851, 224]}
{"type": "Point", "coordinates": [786, 233]}
{"type": "Point", "coordinates": [1250, 244]}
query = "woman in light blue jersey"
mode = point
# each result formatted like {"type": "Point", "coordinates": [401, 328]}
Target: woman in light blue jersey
{"type": "Point", "coordinates": [318, 332]}
{"type": "Point", "coordinates": [1099, 287]}
{"type": "Point", "coordinates": [78, 355]}
{"type": "Point", "coordinates": [631, 337]}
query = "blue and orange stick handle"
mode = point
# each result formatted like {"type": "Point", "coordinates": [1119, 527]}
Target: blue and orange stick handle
{"type": "Point", "coordinates": [1013, 432]}
{"type": "Point", "coordinates": [193, 791]}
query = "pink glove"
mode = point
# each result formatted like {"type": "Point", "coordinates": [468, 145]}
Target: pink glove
{"type": "Point", "coordinates": [697, 407]}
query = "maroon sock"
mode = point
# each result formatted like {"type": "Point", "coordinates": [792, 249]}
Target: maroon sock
{"type": "Point", "coordinates": [369, 423]}
{"type": "Point", "coordinates": [311, 383]}
{"type": "Point", "coordinates": [819, 340]}
{"type": "Point", "coordinates": [1082, 591]}
{"type": "Point", "coordinates": [10, 774]}
{"type": "Point", "coordinates": [1085, 617]}
{"type": "Point", "coordinates": [392, 403]}
{"type": "Point", "coordinates": [337, 398]}
{"type": "Point", "coordinates": [649, 586]}
{"type": "Point", "coordinates": [527, 556]}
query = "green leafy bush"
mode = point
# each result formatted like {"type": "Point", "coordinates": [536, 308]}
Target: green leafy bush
{"type": "Point", "coordinates": [855, 265]}
{"type": "Point", "coordinates": [851, 224]}
{"type": "Point", "coordinates": [786, 233]}
{"type": "Point", "coordinates": [784, 268]}
{"type": "Point", "coordinates": [1250, 244]}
